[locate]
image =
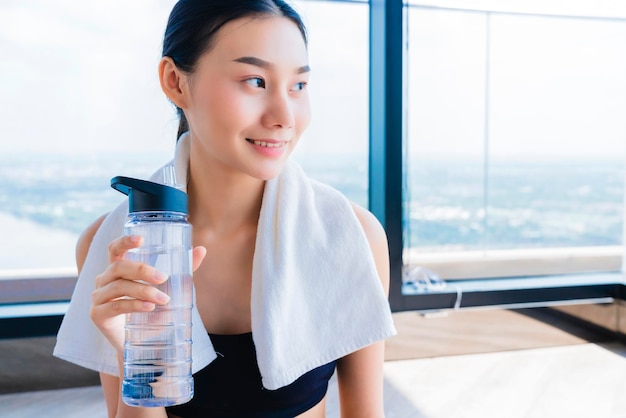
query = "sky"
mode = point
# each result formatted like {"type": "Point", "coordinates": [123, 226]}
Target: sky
{"type": "Point", "coordinates": [81, 77]}
{"type": "Point", "coordinates": [555, 87]}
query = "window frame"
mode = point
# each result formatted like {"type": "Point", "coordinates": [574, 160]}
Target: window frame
{"type": "Point", "coordinates": [522, 287]}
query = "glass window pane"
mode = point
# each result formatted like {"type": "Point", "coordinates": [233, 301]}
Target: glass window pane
{"type": "Point", "coordinates": [556, 142]}
{"type": "Point", "coordinates": [80, 103]}
{"type": "Point", "coordinates": [515, 132]}
{"type": "Point", "coordinates": [445, 184]}
{"type": "Point", "coordinates": [334, 149]}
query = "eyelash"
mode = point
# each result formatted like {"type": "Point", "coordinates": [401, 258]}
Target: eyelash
{"type": "Point", "coordinates": [258, 82]}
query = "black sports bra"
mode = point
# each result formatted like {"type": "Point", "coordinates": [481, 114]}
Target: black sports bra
{"type": "Point", "coordinates": [230, 386]}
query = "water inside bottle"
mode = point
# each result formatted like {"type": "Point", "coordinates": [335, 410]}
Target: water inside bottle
{"type": "Point", "coordinates": [157, 370]}
{"type": "Point", "coordinates": [157, 350]}
{"type": "Point", "coordinates": [157, 358]}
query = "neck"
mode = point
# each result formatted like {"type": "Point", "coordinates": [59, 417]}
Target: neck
{"type": "Point", "coordinates": [222, 200]}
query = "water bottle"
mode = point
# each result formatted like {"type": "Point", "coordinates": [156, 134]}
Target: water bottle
{"type": "Point", "coordinates": [157, 346]}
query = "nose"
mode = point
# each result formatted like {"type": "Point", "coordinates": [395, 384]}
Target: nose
{"type": "Point", "coordinates": [280, 112]}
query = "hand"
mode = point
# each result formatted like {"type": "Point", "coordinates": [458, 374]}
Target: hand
{"type": "Point", "coordinates": [119, 289]}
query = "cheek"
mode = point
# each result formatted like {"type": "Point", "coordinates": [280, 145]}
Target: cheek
{"type": "Point", "coordinates": [303, 115]}
{"type": "Point", "coordinates": [219, 106]}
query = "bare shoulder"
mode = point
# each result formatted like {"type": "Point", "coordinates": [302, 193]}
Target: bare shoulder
{"type": "Point", "coordinates": [370, 224]}
{"type": "Point", "coordinates": [377, 239]}
{"type": "Point", "coordinates": [84, 241]}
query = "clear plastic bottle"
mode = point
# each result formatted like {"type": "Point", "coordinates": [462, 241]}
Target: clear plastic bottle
{"type": "Point", "coordinates": [157, 348]}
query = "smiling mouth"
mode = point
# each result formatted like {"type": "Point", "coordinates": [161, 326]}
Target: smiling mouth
{"type": "Point", "coordinates": [267, 144]}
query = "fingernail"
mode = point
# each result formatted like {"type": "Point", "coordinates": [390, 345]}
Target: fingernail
{"type": "Point", "coordinates": [148, 305]}
{"type": "Point", "coordinates": [160, 277]}
{"type": "Point", "coordinates": [135, 239]}
{"type": "Point", "coordinates": [162, 297]}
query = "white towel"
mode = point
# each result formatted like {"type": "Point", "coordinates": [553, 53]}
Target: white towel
{"type": "Point", "coordinates": [316, 295]}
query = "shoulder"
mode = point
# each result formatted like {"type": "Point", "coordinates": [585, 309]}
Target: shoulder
{"type": "Point", "coordinates": [84, 241]}
{"type": "Point", "coordinates": [377, 239]}
{"type": "Point", "coordinates": [370, 224]}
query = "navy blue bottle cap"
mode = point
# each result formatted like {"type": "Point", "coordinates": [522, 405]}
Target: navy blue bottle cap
{"type": "Point", "coordinates": [147, 196]}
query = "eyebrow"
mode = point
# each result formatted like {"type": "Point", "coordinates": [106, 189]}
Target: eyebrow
{"type": "Point", "coordinates": [258, 62]}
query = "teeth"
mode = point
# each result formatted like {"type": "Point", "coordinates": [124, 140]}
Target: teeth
{"type": "Point", "coordinates": [268, 144]}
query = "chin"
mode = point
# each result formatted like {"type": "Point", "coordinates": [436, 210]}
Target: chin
{"type": "Point", "coordinates": [268, 171]}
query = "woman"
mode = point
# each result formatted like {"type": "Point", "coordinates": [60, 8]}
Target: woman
{"type": "Point", "coordinates": [237, 72]}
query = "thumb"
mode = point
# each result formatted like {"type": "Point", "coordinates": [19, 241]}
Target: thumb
{"type": "Point", "coordinates": [198, 255]}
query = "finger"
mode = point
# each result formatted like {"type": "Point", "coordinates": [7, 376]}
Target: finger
{"type": "Point", "coordinates": [101, 312]}
{"type": "Point", "coordinates": [198, 255]}
{"type": "Point", "coordinates": [120, 246]}
{"type": "Point", "coordinates": [130, 270]}
{"type": "Point", "coordinates": [124, 289]}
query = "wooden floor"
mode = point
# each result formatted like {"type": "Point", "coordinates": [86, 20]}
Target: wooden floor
{"type": "Point", "coordinates": [468, 364]}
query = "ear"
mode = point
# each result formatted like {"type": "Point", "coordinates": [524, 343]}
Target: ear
{"type": "Point", "coordinates": [173, 82]}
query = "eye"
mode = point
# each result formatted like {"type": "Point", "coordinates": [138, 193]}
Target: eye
{"type": "Point", "coordinates": [257, 82]}
{"type": "Point", "coordinates": [299, 86]}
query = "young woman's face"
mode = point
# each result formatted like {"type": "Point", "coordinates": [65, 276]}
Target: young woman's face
{"type": "Point", "coordinates": [249, 101]}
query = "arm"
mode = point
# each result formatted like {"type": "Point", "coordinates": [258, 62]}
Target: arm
{"type": "Point", "coordinates": [360, 374]}
{"type": "Point", "coordinates": [84, 242]}
{"type": "Point", "coordinates": [109, 304]}
{"type": "Point", "coordinates": [110, 384]}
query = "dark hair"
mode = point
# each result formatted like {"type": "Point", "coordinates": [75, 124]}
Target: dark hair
{"type": "Point", "coordinates": [193, 24]}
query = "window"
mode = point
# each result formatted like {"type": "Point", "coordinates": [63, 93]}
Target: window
{"type": "Point", "coordinates": [82, 103]}
{"type": "Point", "coordinates": [509, 135]}
{"type": "Point", "coordinates": [515, 143]}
